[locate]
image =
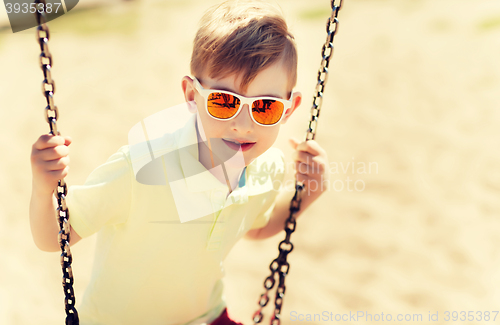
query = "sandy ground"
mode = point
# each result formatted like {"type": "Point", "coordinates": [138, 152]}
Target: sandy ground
{"type": "Point", "coordinates": [414, 94]}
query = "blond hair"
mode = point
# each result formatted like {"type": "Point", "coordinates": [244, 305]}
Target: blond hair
{"type": "Point", "coordinates": [243, 37]}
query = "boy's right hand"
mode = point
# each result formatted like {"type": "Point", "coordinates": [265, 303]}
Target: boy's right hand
{"type": "Point", "coordinates": [49, 161]}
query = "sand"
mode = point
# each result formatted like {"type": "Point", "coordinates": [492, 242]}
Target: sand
{"type": "Point", "coordinates": [412, 103]}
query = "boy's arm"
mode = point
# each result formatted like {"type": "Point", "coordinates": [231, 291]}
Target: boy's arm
{"type": "Point", "coordinates": [49, 162]}
{"type": "Point", "coordinates": [311, 165]}
{"type": "Point", "coordinates": [43, 222]}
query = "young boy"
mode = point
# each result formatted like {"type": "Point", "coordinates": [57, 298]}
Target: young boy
{"type": "Point", "coordinates": [155, 263]}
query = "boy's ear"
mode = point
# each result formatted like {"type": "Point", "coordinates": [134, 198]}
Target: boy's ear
{"type": "Point", "coordinates": [296, 100]}
{"type": "Point", "coordinates": [189, 93]}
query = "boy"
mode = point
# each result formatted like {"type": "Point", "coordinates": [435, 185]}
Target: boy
{"type": "Point", "coordinates": [154, 263]}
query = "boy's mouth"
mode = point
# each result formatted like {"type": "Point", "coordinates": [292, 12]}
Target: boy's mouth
{"type": "Point", "coordinates": [237, 144]}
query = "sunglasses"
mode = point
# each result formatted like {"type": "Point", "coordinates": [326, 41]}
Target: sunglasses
{"type": "Point", "coordinates": [225, 105]}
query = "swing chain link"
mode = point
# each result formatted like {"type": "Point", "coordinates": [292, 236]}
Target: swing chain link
{"type": "Point", "coordinates": [51, 115]}
{"type": "Point", "coordinates": [332, 25]}
{"type": "Point", "coordinates": [280, 266]}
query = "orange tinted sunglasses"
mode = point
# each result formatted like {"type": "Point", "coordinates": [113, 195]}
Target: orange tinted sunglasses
{"type": "Point", "coordinates": [225, 105]}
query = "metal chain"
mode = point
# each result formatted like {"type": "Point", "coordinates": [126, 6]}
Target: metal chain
{"type": "Point", "coordinates": [51, 115]}
{"type": "Point", "coordinates": [280, 266]}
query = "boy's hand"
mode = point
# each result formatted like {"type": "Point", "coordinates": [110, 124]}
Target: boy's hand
{"type": "Point", "coordinates": [49, 161]}
{"type": "Point", "coordinates": [311, 165]}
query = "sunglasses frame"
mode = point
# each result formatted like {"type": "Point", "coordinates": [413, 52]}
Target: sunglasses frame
{"type": "Point", "coordinates": [243, 100]}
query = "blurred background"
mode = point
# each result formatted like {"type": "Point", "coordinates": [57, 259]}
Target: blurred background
{"type": "Point", "coordinates": [410, 122]}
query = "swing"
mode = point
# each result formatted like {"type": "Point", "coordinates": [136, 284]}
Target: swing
{"type": "Point", "coordinates": [278, 266]}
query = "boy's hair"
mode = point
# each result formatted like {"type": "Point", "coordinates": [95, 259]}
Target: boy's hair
{"type": "Point", "coordinates": [243, 37]}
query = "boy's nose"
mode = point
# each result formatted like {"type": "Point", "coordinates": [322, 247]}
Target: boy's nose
{"type": "Point", "coordinates": [243, 122]}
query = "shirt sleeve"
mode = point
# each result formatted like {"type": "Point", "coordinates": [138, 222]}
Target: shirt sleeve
{"type": "Point", "coordinates": [277, 175]}
{"type": "Point", "coordinates": [105, 197]}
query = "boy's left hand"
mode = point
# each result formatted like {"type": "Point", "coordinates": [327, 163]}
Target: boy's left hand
{"type": "Point", "coordinates": [311, 164]}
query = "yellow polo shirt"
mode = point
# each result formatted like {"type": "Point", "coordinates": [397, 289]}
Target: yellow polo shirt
{"type": "Point", "coordinates": [151, 268]}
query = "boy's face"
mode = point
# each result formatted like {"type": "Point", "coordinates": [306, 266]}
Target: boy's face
{"type": "Point", "coordinates": [256, 139]}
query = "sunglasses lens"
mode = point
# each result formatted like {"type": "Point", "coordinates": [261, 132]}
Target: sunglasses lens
{"type": "Point", "coordinates": [222, 105]}
{"type": "Point", "coordinates": [267, 111]}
